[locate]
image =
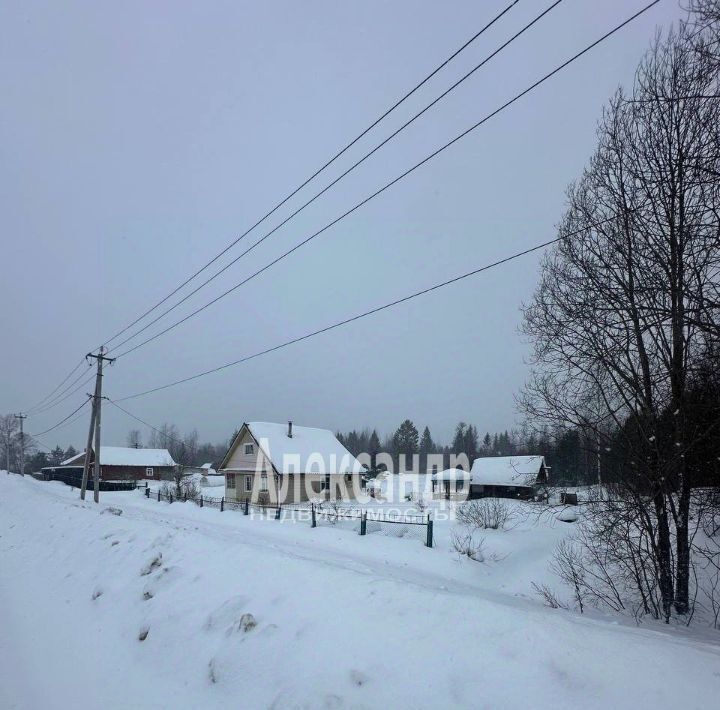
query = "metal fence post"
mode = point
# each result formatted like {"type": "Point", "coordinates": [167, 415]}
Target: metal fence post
{"type": "Point", "coordinates": [147, 492]}
{"type": "Point", "coordinates": [222, 504]}
{"type": "Point", "coordinates": [312, 513]}
{"type": "Point", "coordinates": [201, 502]}
{"type": "Point", "coordinates": [277, 513]}
{"type": "Point", "coordinates": [247, 506]}
{"type": "Point", "coordinates": [429, 541]}
{"type": "Point", "coordinates": [158, 495]}
{"type": "Point", "coordinates": [363, 523]}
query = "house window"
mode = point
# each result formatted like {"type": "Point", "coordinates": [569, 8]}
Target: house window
{"type": "Point", "coordinates": [230, 480]}
{"type": "Point", "coordinates": [459, 483]}
{"type": "Point", "coordinates": [263, 483]}
{"type": "Point", "coordinates": [149, 473]}
{"type": "Point", "coordinates": [249, 449]}
{"type": "Point", "coordinates": [248, 484]}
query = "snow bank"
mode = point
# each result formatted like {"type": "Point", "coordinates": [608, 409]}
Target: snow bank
{"type": "Point", "coordinates": [181, 606]}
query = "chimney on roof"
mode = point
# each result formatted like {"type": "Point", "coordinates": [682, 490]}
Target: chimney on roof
{"type": "Point", "coordinates": [290, 430]}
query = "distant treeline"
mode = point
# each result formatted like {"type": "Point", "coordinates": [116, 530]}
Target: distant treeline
{"type": "Point", "coordinates": [573, 458]}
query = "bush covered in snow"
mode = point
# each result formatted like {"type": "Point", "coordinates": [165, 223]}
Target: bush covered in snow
{"type": "Point", "coordinates": [464, 544]}
{"type": "Point", "coordinates": [485, 513]}
{"type": "Point", "coordinates": [180, 490]}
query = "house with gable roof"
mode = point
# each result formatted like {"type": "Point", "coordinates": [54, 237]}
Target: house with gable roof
{"type": "Point", "coordinates": [119, 463]}
{"type": "Point", "coordinates": [272, 464]}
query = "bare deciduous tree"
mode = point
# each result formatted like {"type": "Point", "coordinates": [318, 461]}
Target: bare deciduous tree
{"type": "Point", "coordinates": [628, 307]}
{"type": "Point", "coordinates": [8, 433]}
{"type": "Point", "coordinates": [134, 439]}
{"type": "Point", "coordinates": [706, 34]}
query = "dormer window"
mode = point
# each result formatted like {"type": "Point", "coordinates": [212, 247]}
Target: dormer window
{"type": "Point", "coordinates": [249, 449]}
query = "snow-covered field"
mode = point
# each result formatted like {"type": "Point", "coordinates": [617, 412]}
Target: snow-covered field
{"type": "Point", "coordinates": [341, 620]}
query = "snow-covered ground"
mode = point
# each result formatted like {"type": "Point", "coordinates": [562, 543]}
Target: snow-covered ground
{"type": "Point", "coordinates": [341, 620]}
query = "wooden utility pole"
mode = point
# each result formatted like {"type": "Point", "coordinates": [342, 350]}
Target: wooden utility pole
{"type": "Point", "coordinates": [95, 420]}
{"type": "Point", "coordinates": [88, 447]}
{"type": "Point", "coordinates": [22, 417]}
{"type": "Point", "coordinates": [8, 439]}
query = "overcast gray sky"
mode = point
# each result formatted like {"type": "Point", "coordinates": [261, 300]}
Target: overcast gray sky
{"type": "Point", "coordinates": [137, 139]}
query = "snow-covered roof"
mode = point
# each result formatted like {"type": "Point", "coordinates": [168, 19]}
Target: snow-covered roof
{"type": "Point", "coordinates": [122, 456]}
{"type": "Point", "coordinates": [451, 474]}
{"type": "Point", "coordinates": [309, 450]}
{"type": "Point", "coordinates": [507, 470]}
{"type": "Point", "coordinates": [206, 465]}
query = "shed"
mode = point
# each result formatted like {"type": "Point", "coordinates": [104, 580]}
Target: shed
{"type": "Point", "coordinates": [451, 481]}
{"type": "Point", "coordinates": [508, 476]}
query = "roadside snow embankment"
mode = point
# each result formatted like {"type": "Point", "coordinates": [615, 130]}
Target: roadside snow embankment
{"type": "Point", "coordinates": [178, 606]}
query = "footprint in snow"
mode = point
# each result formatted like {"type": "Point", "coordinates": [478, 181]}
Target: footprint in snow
{"type": "Point", "coordinates": [212, 671]}
{"type": "Point", "coordinates": [226, 613]}
{"type": "Point", "coordinates": [112, 510]}
{"type": "Point", "coordinates": [152, 565]}
{"type": "Point", "coordinates": [245, 623]}
{"type": "Point", "coordinates": [359, 678]}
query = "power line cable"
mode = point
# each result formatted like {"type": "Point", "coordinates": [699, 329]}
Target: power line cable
{"type": "Point", "coordinates": [400, 177]}
{"type": "Point", "coordinates": [67, 387]}
{"type": "Point", "coordinates": [341, 176]}
{"type": "Point", "coordinates": [142, 421]}
{"type": "Point", "coordinates": [337, 155]}
{"type": "Point", "coordinates": [62, 421]}
{"type": "Point", "coordinates": [66, 395]}
{"type": "Point", "coordinates": [29, 410]}
{"type": "Point", "coordinates": [67, 423]}
{"type": "Point", "coordinates": [367, 313]}
{"type": "Point", "coordinates": [39, 443]}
